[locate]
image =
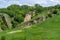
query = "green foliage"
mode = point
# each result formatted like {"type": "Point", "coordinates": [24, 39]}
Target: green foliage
{"type": "Point", "coordinates": [25, 7]}
{"type": "Point", "coordinates": [2, 25]}
{"type": "Point", "coordinates": [3, 10]}
{"type": "Point", "coordinates": [57, 6]}
{"type": "Point", "coordinates": [3, 38]}
{"type": "Point", "coordinates": [19, 18]}
{"type": "Point", "coordinates": [17, 12]}
{"type": "Point", "coordinates": [38, 8]}
{"type": "Point", "coordinates": [14, 23]}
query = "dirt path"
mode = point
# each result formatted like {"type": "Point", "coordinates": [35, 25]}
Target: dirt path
{"type": "Point", "coordinates": [14, 31]}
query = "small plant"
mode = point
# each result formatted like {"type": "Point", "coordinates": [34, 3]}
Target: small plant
{"type": "Point", "coordinates": [3, 38]}
{"type": "Point", "coordinates": [49, 15]}
{"type": "Point", "coordinates": [55, 12]}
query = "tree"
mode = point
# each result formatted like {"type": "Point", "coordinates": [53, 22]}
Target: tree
{"type": "Point", "coordinates": [57, 6]}
{"type": "Point", "coordinates": [38, 8]}
{"type": "Point", "coordinates": [19, 18]}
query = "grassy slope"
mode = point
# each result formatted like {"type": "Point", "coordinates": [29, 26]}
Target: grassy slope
{"type": "Point", "coordinates": [44, 13]}
{"type": "Point", "coordinates": [48, 30]}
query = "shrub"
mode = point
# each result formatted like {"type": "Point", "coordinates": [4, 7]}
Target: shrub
{"type": "Point", "coordinates": [3, 38]}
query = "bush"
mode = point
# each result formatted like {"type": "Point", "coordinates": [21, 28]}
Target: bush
{"type": "Point", "coordinates": [14, 23]}
{"type": "Point", "coordinates": [19, 18]}
{"type": "Point", "coordinates": [55, 12]}
{"type": "Point", "coordinates": [49, 15]}
{"type": "Point", "coordinates": [3, 38]}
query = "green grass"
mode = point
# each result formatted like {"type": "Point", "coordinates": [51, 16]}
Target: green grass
{"type": "Point", "coordinates": [39, 15]}
{"type": "Point", "coordinates": [47, 30]}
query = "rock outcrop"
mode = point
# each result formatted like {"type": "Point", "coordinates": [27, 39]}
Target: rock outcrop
{"type": "Point", "coordinates": [6, 19]}
{"type": "Point", "coordinates": [29, 16]}
{"type": "Point", "coordinates": [29, 23]}
{"type": "Point", "coordinates": [1, 30]}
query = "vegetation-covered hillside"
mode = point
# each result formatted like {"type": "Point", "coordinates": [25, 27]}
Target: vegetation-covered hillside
{"type": "Point", "coordinates": [30, 22]}
{"type": "Point", "coordinates": [47, 30]}
{"type": "Point", "coordinates": [17, 13]}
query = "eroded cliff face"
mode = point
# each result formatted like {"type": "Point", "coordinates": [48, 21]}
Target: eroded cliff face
{"type": "Point", "coordinates": [1, 30]}
{"type": "Point", "coordinates": [6, 20]}
{"type": "Point", "coordinates": [35, 21]}
{"type": "Point", "coordinates": [27, 17]}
